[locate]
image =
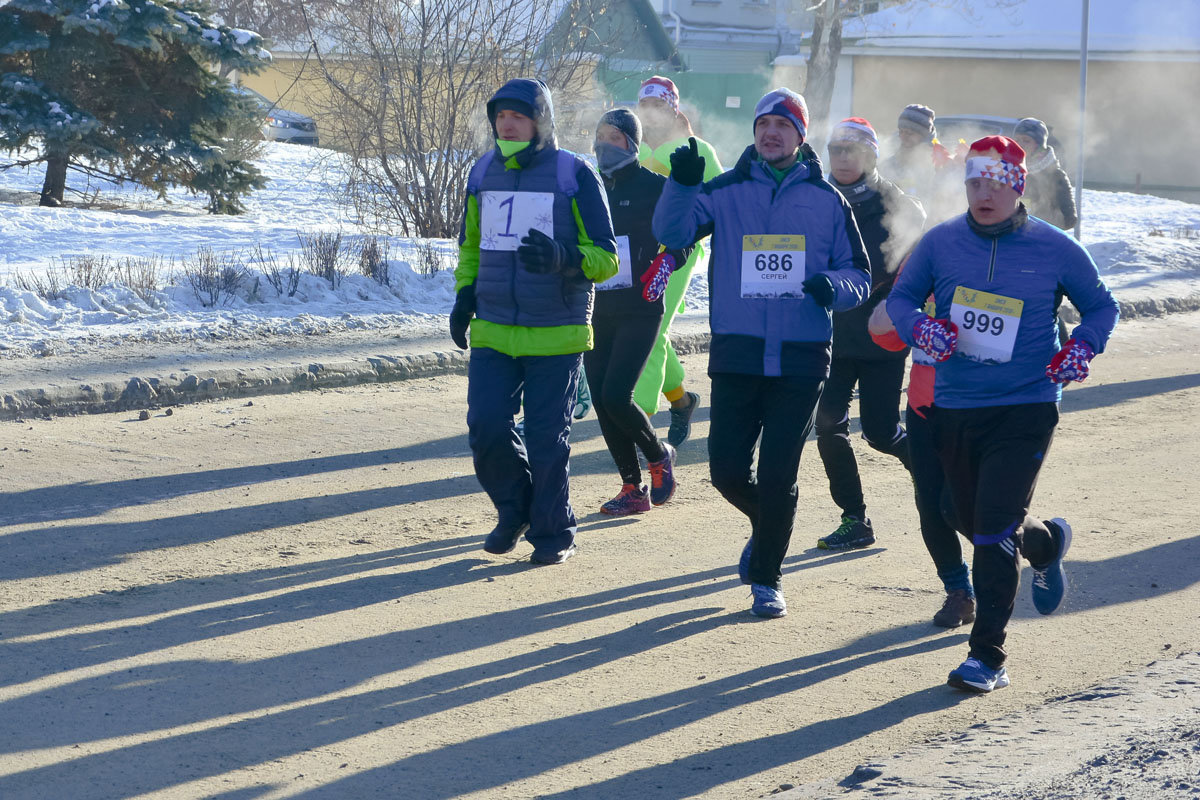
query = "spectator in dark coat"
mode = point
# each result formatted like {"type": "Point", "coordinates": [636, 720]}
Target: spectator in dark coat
{"type": "Point", "coordinates": [1048, 192]}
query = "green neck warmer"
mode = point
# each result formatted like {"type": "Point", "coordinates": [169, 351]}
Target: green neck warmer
{"type": "Point", "coordinates": [509, 149]}
{"type": "Point", "coordinates": [779, 174]}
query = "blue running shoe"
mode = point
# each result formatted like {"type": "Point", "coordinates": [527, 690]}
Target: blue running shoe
{"type": "Point", "coordinates": [973, 675]}
{"type": "Point", "coordinates": [768, 602]}
{"type": "Point", "coordinates": [551, 557]}
{"type": "Point", "coordinates": [744, 561]}
{"type": "Point", "coordinates": [662, 477]}
{"type": "Point", "coordinates": [631, 500]}
{"type": "Point", "coordinates": [1050, 582]}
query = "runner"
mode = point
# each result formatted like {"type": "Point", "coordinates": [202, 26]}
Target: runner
{"type": "Point", "coordinates": [787, 251]}
{"type": "Point", "coordinates": [997, 276]}
{"type": "Point", "coordinates": [890, 223]}
{"type": "Point", "coordinates": [536, 232]}
{"type": "Point", "coordinates": [666, 128]}
{"type": "Point", "coordinates": [929, 482]}
{"type": "Point", "coordinates": [626, 323]}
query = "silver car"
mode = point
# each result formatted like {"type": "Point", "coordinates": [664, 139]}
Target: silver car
{"type": "Point", "coordinates": [281, 125]}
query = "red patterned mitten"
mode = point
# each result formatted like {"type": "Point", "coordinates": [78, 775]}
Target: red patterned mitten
{"type": "Point", "coordinates": [937, 337]}
{"type": "Point", "coordinates": [1070, 363]}
{"type": "Point", "coordinates": [655, 278]}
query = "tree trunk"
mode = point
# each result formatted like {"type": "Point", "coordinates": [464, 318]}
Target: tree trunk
{"type": "Point", "coordinates": [822, 69]}
{"type": "Point", "coordinates": [56, 180]}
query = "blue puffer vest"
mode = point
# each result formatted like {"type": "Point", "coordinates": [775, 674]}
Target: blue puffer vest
{"type": "Point", "coordinates": [506, 292]}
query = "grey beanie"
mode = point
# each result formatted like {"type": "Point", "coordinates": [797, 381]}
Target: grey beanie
{"type": "Point", "coordinates": [626, 122]}
{"type": "Point", "coordinates": [1035, 129]}
{"type": "Point", "coordinates": [918, 118]}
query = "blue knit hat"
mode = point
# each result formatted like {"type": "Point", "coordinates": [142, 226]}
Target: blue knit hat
{"type": "Point", "coordinates": [784, 103]}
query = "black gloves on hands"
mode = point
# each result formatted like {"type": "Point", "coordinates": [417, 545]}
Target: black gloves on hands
{"type": "Point", "coordinates": [540, 254]}
{"type": "Point", "coordinates": [460, 315]}
{"type": "Point", "coordinates": [687, 165]}
{"type": "Point", "coordinates": [820, 288]}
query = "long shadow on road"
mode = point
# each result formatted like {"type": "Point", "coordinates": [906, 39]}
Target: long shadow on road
{"type": "Point", "coordinates": [150, 699]}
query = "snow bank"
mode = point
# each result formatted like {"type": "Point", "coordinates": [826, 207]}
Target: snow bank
{"type": "Point", "coordinates": [1147, 248]}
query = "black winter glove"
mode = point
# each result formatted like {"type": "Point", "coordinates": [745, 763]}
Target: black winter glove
{"type": "Point", "coordinates": [687, 165]}
{"type": "Point", "coordinates": [460, 315]}
{"type": "Point", "coordinates": [820, 288]}
{"type": "Point", "coordinates": [541, 254]}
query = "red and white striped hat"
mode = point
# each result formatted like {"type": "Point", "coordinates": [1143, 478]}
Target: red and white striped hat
{"type": "Point", "coordinates": [662, 88]}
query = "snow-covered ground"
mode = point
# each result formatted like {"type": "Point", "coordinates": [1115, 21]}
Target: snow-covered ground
{"type": "Point", "coordinates": [1147, 248]}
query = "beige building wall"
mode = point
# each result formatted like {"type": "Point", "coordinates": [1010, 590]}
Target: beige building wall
{"type": "Point", "coordinates": [1142, 117]}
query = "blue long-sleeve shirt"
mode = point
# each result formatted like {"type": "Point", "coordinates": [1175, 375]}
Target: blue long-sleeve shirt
{"type": "Point", "coordinates": [1031, 269]}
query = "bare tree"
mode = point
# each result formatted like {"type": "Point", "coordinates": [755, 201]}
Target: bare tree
{"type": "Point", "coordinates": [407, 83]}
{"type": "Point", "coordinates": [826, 47]}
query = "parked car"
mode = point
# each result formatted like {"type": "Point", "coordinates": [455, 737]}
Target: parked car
{"type": "Point", "coordinates": [281, 125]}
{"type": "Point", "coordinates": [970, 127]}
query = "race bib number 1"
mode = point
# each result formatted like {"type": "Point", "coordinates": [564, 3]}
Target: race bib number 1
{"type": "Point", "coordinates": [624, 277]}
{"type": "Point", "coordinates": [987, 324]}
{"type": "Point", "coordinates": [773, 266]}
{"type": "Point", "coordinates": [505, 217]}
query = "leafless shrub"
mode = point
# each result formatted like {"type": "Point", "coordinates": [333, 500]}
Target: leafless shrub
{"type": "Point", "coordinates": [373, 259]}
{"type": "Point", "coordinates": [47, 285]}
{"type": "Point", "coordinates": [143, 276]}
{"type": "Point", "coordinates": [87, 271]}
{"type": "Point", "coordinates": [408, 82]}
{"type": "Point", "coordinates": [214, 277]}
{"type": "Point", "coordinates": [324, 255]}
{"type": "Point", "coordinates": [284, 277]}
{"type": "Point", "coordinates": [430, 259]}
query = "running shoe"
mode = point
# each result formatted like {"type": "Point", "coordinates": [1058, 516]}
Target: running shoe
{"type": "Point", "coordinates": [958, 609]}
{"type": "Point", "coordinates": [768, 602]}
{"type": "Point", "coordinates": [551, 557]}
{"type": "Point", "coordinates": [973, 675]}
{"type": "Point", "coordinates": [852, 533]}
{"type": "Point", "coordinates": [583, 397]}
{"type": "Point", "coordinates": [662, 477]}
{"type": "Point", "coordinates": [631, 500]}
{"type": "Point", "coordinates": [681, 421]}
{"type": "Point", "coordinates": [519, 427]}
{"type": "Point", "coordinates": [504, 538]}
{"type": "Point", "coordinates": [744, 561]}
{"type": "Point", "coordinates": [1050, 582]}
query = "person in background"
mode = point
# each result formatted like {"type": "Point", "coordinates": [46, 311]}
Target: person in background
{"type": "Point", "coordinates": [665, 128]}
{"type": "Point", "coordinates": [786, 253]}
{"type": "Point", "coordinates": [1048, 192]}
{"type": "Point", "coordinates": [536, 233]}
{"type": "Point", "coordinates": [929, 482]}
{"type": "Point", "coordinates": [997, 276]}
{"type": "Point", "coordinates": [626, 322]}
{"type": "Point", "coordinates": [911, 166]}
{"type": "Point", "coordinates": [890, 223]}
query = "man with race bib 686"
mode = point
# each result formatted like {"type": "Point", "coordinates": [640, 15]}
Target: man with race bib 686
{"type": "Point", "coordinates": [786, 251]}
{"type": "Point", "coordinates": [997, 277]}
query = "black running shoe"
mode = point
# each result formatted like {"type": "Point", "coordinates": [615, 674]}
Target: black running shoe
{"type": "Point", "coordinates": [852, 533]}
{"type": "Point", "coordinates": [681, 421]}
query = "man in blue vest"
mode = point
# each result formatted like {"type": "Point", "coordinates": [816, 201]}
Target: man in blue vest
{"type": "Point", "coordinates": [786, 251]}
{"type": "Point", "coordinates": [536, 235]}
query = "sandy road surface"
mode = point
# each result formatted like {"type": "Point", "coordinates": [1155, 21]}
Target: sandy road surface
{"type": "Point", "coordinates": [288, 599]}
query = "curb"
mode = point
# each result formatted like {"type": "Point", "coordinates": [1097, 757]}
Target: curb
{"type": "Point", "coordinates": [223, 384]}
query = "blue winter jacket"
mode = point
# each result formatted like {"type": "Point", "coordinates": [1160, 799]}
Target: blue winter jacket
{"type": "Point", "coordinates": [1035, 263]}
{"type": "Point", "coordinates": [768, 336]}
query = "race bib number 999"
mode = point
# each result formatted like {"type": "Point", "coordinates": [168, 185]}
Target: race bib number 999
{"type": "Point", "coordinates": [987, 324]}
{"type": "Point", "coordinates": [773, 266]}
{"type": "Point", "coordinates": [505, 217]}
